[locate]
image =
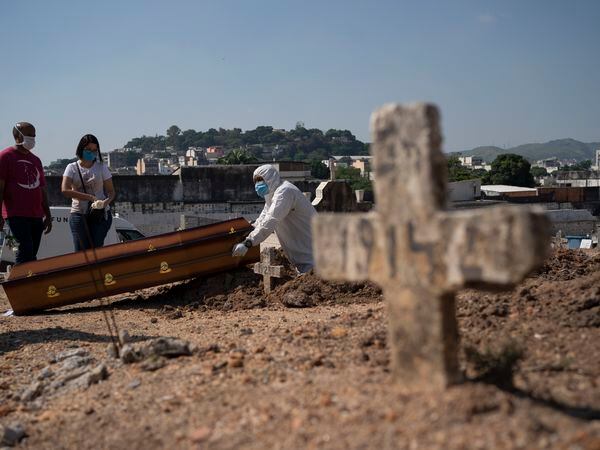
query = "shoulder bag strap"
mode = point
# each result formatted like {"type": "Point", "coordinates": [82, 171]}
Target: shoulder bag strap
{"type": "Point", "coordinates": [80, 177]}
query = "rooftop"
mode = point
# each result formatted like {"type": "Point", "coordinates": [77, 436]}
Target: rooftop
{"type": "Point", "coordinates": [506, 188]}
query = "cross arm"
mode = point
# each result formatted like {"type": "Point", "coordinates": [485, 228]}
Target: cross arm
{"type": "Point", "coordinates": [493, 247]}
{"type": "Point", "coordinates": [272, 271]}
{"type": "Point", "coordinates": [347, 246]}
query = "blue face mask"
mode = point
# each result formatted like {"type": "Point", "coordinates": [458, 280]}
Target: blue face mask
{"type": "Point", "coordinates": [261, 188]}
{"type": "Point", "coordinates": [89, 156]}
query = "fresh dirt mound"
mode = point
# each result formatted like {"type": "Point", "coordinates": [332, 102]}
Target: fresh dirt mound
{"type": "Point", "coordinates": [310, 290]}
{"type": "Point", "coordinates": [306, 290]}
{"type": "Point", "coordinates": [243, 289]}
{"type": "Point", "coordinates": [236, 290]}
{"type": "Point", "coordinates": [565, 290]}
{"type": "Point", "coordinates": [566, 264]}
{"type": "Point", "coordinates": [543, 317]}
{"type": "Point", "coordinates": [575, 303]}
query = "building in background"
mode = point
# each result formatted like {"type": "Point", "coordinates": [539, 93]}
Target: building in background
{"type": "Point", "coordinates": [165, 167]}
{"type": "Point", "coordinates": [116, 159]}
{"type": "Point", "coordinates": [147, 166]}
{"type": "Point", "coordinates": [360, 162]}
{"type": "Point", "coordinates": [464, 191]}
{"type": "Point", "coordinates": [578, 178]}
{"type": "Point", "coordinates": [129, 170]}
{"type": "Point", "coordinates": [506, 191]}
{"type": "Point", "coordinates": [474, 162]}
{"type": "Point", "coordinates": [214, 153]}
{"type": "Point", "coordinates": [194, 156]}
{"type": "Point", "coordinates": [471, 161]}
{"type": "Point", "coordinates": [550, 164]}
{"type": "Point", "coordinates": [364, 165]}
{"type": "Point", "coordinates": [293, 170]}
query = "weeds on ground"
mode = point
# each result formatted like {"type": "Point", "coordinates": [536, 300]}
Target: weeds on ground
{"type": "Point", "coordinates": [495, 365]}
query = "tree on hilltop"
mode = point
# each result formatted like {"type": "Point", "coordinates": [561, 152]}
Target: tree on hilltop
{"type": "Point", "coordinates": [298, 143]}
{"type": "Point", "coordinates": [511, 169]}
{"type": "Point", "coordinates": [173, 131]}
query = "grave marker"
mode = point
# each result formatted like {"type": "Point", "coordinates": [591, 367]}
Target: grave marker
{"type": "Point", "coordinates": [419, 253]}
{"type": "Point", "coordinates": [267, 268]}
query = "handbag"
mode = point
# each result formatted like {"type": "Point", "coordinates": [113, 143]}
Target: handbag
{"type": "Point", "coordinates": [92, 216]}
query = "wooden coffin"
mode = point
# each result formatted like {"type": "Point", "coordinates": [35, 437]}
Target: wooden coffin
{"type": "Point", "coordinates": [95, 273]}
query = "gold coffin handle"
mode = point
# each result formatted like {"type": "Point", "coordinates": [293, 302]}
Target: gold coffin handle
{"type": "Point", "coordinates": [164, 267]}
{"type": "Point", "coordinates": [109, 280]}
{"type": "Point", "coordinates": [52, 291]}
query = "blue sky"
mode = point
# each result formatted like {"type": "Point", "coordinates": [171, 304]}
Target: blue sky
{"type": "Point", "coordinates": [503, 72]}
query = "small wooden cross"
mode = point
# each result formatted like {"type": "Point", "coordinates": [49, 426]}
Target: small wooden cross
{"type": "Point", "coordinates": [267, 269]}
{"type": "Point", "coordinates": [419, 253]}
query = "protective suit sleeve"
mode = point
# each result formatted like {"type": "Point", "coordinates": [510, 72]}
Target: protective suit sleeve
{"type": "Point", "coordinates": [281, 205]}
{"type": "Point", "coordinates": [261, 217]}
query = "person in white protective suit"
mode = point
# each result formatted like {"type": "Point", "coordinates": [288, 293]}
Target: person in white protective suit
{"type": "Point", "coordinates": [288, 213]}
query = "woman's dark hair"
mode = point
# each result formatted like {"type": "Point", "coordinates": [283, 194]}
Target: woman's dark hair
{"type": "Point", "coordinates": [84, 141]}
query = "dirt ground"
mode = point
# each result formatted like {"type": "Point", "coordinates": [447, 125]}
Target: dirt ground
{"type": "Point", "coordinates": [312, 374]}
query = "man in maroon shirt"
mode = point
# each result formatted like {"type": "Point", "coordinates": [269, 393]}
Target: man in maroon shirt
{"type": "Point", "coordinates": [23, 195]}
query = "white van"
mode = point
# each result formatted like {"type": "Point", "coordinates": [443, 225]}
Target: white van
{"type": "Point", "coordinates": [60, 240]}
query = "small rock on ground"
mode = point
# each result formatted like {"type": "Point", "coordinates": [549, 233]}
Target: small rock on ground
{"type": "Point", "coordinates": [11, 435]}
{"type": "Point", "coordinates": [297, 300]}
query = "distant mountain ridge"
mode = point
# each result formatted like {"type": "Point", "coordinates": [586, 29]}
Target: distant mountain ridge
{"type": "Point", "coordinates": [561, 148]}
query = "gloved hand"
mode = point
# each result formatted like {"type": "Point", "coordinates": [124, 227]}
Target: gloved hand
{"type": "Point", "coordinates": [98, 204]}
{"type": "Point", "coordinates": [239, 250]}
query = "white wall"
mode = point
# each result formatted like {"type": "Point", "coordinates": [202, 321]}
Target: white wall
{"type": "Point", "coordinates": [157, 218]}
{"type": "Point", "coordinates": [462, 191]}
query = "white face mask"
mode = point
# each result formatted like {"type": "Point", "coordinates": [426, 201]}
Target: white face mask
{"type": "Point", "coordinates": [28, 141]}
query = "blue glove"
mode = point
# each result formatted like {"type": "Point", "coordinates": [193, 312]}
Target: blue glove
{"type": "Point", "coordinates": [239, 250]}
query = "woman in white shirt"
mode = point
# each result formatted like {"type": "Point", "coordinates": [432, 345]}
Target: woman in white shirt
{"type": "Point", "coordinates": [88, 181]}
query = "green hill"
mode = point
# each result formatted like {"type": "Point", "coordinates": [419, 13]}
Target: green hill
{"type": "Point", "coordinates": [561, 148]}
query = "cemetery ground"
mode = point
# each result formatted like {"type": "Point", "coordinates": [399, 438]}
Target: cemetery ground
{"type": "Point", "coordinates": [307, 366]}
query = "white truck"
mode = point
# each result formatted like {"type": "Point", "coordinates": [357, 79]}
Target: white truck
{"type": "Point", "coordinates": [60, 241]}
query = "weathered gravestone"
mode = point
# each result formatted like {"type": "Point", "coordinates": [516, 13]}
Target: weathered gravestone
{"type": "Point", "coordinates": [419, 253]}
{"type": "Point", "coordinates": [335, 196]}
{"type": "Point", "coordinates": [268, 268]}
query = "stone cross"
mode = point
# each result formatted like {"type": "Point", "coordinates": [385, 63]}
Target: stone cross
{"type": "Point", "coordinates": [267, 268]}
{"type": "Point", "coordinates": [419, 253]}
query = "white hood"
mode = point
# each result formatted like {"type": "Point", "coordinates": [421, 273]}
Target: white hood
{"type": "Point", "coordinates": [271, 176]}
